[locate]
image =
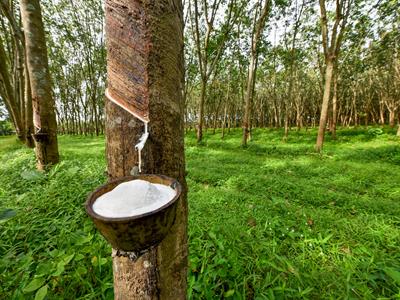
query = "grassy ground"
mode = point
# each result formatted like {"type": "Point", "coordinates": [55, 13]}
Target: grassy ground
{"type": "Point", "coordinates": [272, 221]}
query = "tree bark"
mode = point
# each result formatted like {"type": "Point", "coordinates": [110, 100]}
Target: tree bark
{"type": "Point", "coordinates": [28, 111]}
{"type": "Point", "coordinates": [224, 118]}
{"type": "Point", "coordinates": [331, 46]}
{"type": "Point", "coordinates": [286, 123]}
{"type": "Point", "coordinates": [392, 118]}
{"type": "Point", "coordinates": [147, 36]}
{"type": "Point", "coordinates": [325, 105]}
{"type": "Point", "coordinates": [44, 117]}
{"type": "Point", "coordinates": [201, 111]}
{"type": "Point", "coordinates": [249, 99]}
{"type": "Point", "coordinates": [381, 111]}
{"type": "Point", "coordinates": [334, 106]}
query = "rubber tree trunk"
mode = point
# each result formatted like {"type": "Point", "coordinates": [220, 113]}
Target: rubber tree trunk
{"type": "Point", "coordinates": [147, 36]}
{"type": "Point", "coordinates": [201, 111]}
{"type": "Point", "coordinates": [381, 111]}
{"type": "Point", "coordinates": [28, 111]}
{"type": "Point", "coordinates": [325, 105]}
{"type": "Point", "coordinates": [19, 87]}
{"type": "Point", "coordinates": [285, 137]}
{"type": "Point", "coordinates": [224, 120]}
{"type": "Point", "coordinates": [44, 117]}
{"type": "Point", "coordinates": [392, 118]}
{"type": "Point", "coordinates": [249, 98]}
{"type": "Point", "coordinates": [8, 93]}
{"type": "Point", "coordinates": [334, 106]}
{"type": "Point", "coordinates": [398, 130]}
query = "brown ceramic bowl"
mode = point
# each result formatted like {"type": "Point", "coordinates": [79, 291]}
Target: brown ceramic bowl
{"type": "Point", "coordinates": [140, 232]}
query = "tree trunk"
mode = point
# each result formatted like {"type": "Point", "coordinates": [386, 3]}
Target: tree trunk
{"type": "Point", "coordinates": [381, 111]}
{"type": "Point", "coordinates": [19, 86]}
{"type": "Point", "coordinates": [224, 119]}
{"type": "Point", "coordinates": [331, 44]}
{"type": "Point", "coordinates": [286, 123]}
{"type": "Point", "coordinates": [249, 99]}
{"type": "Point", "coordinates": [216, 115]}
{"type": "Point", "coordinates": [392, 118]}
{"type": "Point", "coordinates": [8, 93]}
{"type": "Point", "coordinates": [44, 117]}
{"type": "Point", "coordinates": [299, 118]}
{"type": "Point", "coordinates": [201, 111]}
{"type": "Point", "coordinates": [355, 111]}
{"type": "Point", "coordinates": [325, 105]}
{"type": "Point", "coordinates": [152, 32]}
{"type": "Point", "coordinates": [334, 106]}
{"type": "Point", "coordinates": [366, 120]}
{"type": "Point", "coordinates": [251, 78]}
{"type": "Point", "coordinates": [230, 120]}
{"type": "Point", "coordinates": [28, 111]}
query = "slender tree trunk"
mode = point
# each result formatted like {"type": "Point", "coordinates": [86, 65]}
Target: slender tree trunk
{"type": "Point", "coordinates": [20, 87]}
{"type": "Point", "coordinates": [286, 122]}
{"type": "Point", "coordinates": [96, 118]}
{"type": "Point", "coordinates": [216, 115]}
{"type": "Point", "coordinates": [259, 24]}
{"type": "Point", "coordinates": [381, 111]}
{"type": "Point", "coordinates": [230, 120]}
{"type": "Point", "coordinates": [325, 105]}
{"type": "Point", "coordinates": [331, 44]}
{"type": "Point", "coordinates": [18, 97]}
{"type": "Point", "coordinates": [334, 106]}
{"type": "Point", "coordinates": [262, 114]}
{"type": "Point", "coordinates": [276, 117]}
{"type": "Point", "coordinates": [155, 43]}
{"type": "Point", "coordinates": [235, 118]}
{"type": "Point", "coordinates": [398, 130]}
{"type": "Point", "coordinates": [8, 93]}
{"type": "Point", "coordinates": [215, 122]}
{"type": "Point", "coordinates": [366, 120]}
{"type": "Point", "coordinates": [355, 111]}
{"type": "Point", "coordinates": [249, 99]}
{"type": "Point", "coordinates": [299, 122]}
{"type": "Point", "coordinates": [224, 120]}
{"type": "Point", "coordinates": [392, 118]}
{"type": "Point", "coordinates": [201, 111]}
{"type": "Point", "coordinates": [28, 111]}
{"type": "Point", "coordinates": [44, 116]}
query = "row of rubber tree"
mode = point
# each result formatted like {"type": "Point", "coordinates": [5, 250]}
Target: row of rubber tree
{"type": "Point", "coordinates": [76, 60]}
{"type": "Point", "coordinates": [28, 95]}
{"type": "Point", "coordinates": [248, 64]}
{"type": "Point", "coordinates": [292, 63]}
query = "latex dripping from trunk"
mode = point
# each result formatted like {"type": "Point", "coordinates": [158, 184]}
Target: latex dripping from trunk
{"type": "Point", "coordinates": [143, 139]}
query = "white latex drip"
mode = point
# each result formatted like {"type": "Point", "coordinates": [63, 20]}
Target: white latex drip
{"type": "Point", "coordinates": [133, 198]}
{"type": "Point", "coordinates": [142, 141]}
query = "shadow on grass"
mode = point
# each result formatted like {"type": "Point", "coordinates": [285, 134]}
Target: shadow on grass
{"type": "Point", "coordinates": [385, 154]}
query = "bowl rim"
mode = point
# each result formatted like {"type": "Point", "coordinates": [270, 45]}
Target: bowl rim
{"type": "Point", "coordinates": [92, 197]}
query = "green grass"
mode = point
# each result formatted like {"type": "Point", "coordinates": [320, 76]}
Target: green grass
{"type": "Point", "coordinates": [8, 143]}
{"type": "Point", "coordinates": [271, 221]}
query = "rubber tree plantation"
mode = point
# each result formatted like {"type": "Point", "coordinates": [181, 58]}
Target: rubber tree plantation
{"type": "Point", "coordinates": [199, 149]}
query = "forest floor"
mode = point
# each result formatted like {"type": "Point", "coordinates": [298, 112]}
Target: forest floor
{"type": "Point", "coordinates": [273, 220]}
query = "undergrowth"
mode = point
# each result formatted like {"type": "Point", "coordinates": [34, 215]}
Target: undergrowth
{"type": "Point", "coordinates": [273, 220]}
